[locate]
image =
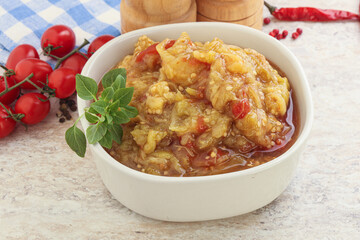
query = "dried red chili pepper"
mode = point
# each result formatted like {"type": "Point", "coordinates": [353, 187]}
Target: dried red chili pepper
{"type": "Point", "coordinates": [310, 14]}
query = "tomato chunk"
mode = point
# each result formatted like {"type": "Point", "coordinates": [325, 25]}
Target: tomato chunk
{"type": "Point", "coordinates": [240, 108]}
{"type": "Point", "coordinates": [152, 50]}
{"type": "Point", "coordinates": [149, 51]}
{"type": "Point", "coordinates": [201, 125]}
{"type": "Point", "coordinates": [170, 44]}
{"type": "Point", "coordinates": [190, 145]}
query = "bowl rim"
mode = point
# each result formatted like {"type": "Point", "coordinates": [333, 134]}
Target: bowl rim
{"type": "Point", "coordinates": [303, 135]}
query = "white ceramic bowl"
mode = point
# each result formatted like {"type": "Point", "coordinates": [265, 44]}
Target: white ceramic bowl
{"type": "Point", "coordinates": [205, 197]}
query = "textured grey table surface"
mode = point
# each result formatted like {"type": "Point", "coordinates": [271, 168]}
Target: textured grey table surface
{"type": "Point", "coordinates": [47, 192]}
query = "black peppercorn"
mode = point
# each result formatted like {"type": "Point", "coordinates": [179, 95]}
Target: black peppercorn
{"type": "Point", "coordinates": [73, 108]}
{"type": "Point", "coordinates": [71, 103]}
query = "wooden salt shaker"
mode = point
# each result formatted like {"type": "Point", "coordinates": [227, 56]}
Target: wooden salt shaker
{"type": "Point", "coordinates": [245, 12]}
{"type": "Point", "coordinates": [137, 14]}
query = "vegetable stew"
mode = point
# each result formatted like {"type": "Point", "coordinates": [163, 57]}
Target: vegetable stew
{"type": "Point", "coordinates": [204, 108]}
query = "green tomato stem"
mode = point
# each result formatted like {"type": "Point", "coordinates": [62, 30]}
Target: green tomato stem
{"type": "Point", "coordinates": [53, 56]}
{"type": "Point", "coordinates": [3, 67]}
{"type": "Point", "coordinates": [8, 72]}
{"type": "Point", "coordinates": [34, 85]}
{"type": "Point", "coordinates": [7, 111]}
{"type": "Point", "coordinates": [27, 79]}
{"type": "Point", "coordinates": [16, 117]}
{"type": "Point", "coordinates": [6, 82]}
{"type": "Point", "coordinates": [86, 42]}
{"type": "Point", "coordinates": [84, 55]}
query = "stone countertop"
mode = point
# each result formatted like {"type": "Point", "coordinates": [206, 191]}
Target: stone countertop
{"type": "Point", "coordinates": [47, 192]}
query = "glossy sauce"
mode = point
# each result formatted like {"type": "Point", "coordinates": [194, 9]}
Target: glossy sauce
{"type": "Point", "coordinates": [259, 155]}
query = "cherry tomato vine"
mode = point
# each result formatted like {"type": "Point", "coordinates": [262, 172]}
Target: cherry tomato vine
{"type": "Point", "coordinates": [25, 70]}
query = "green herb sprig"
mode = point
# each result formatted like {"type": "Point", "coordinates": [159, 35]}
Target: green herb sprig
{"type": "Point", "coordinates": [106, 113]}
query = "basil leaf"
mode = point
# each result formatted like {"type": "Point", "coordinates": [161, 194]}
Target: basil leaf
{"type": "Point", "coordinates": [107, 94]}
{"type": "Point", "coordinates": [99, 106]}
{"type": "Point", "coordinates": [119, 82]}
{"type": "Point", "coordinates": [124, 95]}
{"type": "Point", "coordinates": [130, 111]}
{"type": "Point", "coordinates": [76, 140]}
{"type": "Point", "coordinates": [110, 76]}
{"type": "Point", "coordinates": [91, 116]}
{"type": "Point", "coordinates": [116, 132]}
{"type": "Point", "coordinates": [95, 132]}
{"type": "Point", "coordinates": [102, 118]}
{"type": "Point", "coordinates": [122, 80]}
{"type": "Point", "coordinates": [107, 140]}
{"type": "Point", "coordinates": [109, 119]}
{"type": "Point", "coordinates": [120, 117]}
{"type": "Point", "coordinates": [86, 87]}
{"type": "Point", "coordinates": [114, 107]}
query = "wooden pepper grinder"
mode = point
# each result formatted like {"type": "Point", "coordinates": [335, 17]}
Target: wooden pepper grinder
{"type": "Point", "coordinates": [137, 14]}
{"type": "Point", "coordinates": [245, 12]}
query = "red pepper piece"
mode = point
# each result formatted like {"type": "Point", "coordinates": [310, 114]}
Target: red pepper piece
{"type": "Point", "coordinates": [310, 14]}
{"type": "Point", "coordinates": [201, 125]}
{"type": "Point", "coordinates": [149, 51]}
{"type": "Point", "coordinates": [170, 44]}
{"type": "Point", "coordinates": [194, 62]}
{"type": "Point", "coordinates": [152, 50]}
{"type": "Point", "coordinates": [241, 108]}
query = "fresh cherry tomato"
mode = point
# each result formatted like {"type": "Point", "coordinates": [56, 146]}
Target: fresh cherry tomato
{"type": "Point", "coordinates": [38, 67]}
{"type": "Point", "coordinates": [75, 62]}
{"type": "Point", "coordinates": [241, 108]}
{"type": "Point", "coordinates": [19, 53]}
{"type": "Point", "coordinates": [9, 97]}
{"type": "Point", "coordinates": [34, 109]}
{"type": "Point", "coordinates": [7, 124]}
{"type": "Point", "coordinates": [60, 37]}
{"type": "Point", "coordinates": [98, 42]}
{"type": "Point", "coordinates": [63, 81]}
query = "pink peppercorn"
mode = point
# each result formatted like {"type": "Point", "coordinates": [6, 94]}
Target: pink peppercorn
{"type": "Point", "coordinates": [276, 31]}
{"type": "Point", "coordinates": [295, 35]}
{"type": "Point", "coordinates": [299, 31]}
{"type": "Point", "coordinates": [267, 21]}
{"type": "Point", "coordinates": [285, 33]}
{"type": "Point", "coordinates": [272, 34]}
{"type": "Point", "coordinates": [279, 36]}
